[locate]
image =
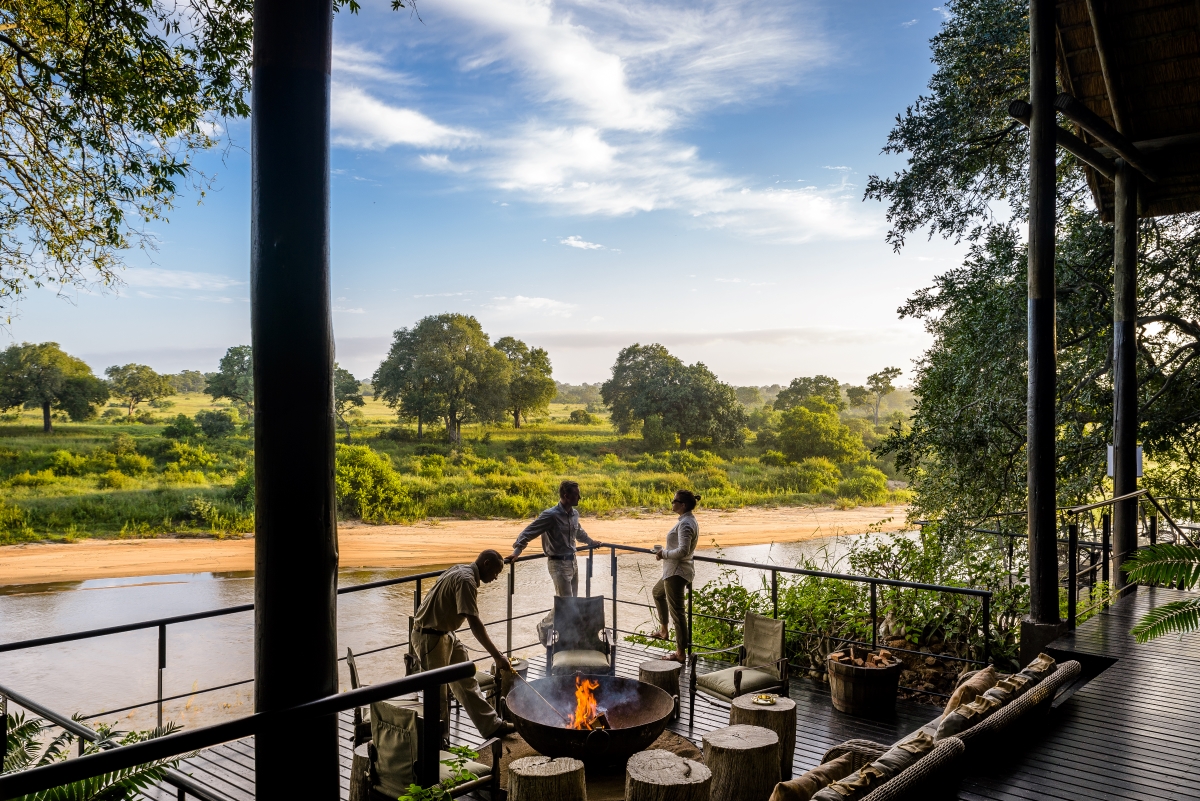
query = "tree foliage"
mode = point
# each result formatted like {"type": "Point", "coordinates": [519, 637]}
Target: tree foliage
{"type": "Point", "coordinates": [137, 383]}
{"type": "Point", "coordinates": [445, 367]}
{"type": "Point", "coordinates": [805, 387]}
{"type": "Point", "coordinates": [188, 381]}
{"type": "Point", "coordinates": [531, 386]}
{"type": "Point", "coordinates": [234, 378]}
{"type": "Point", "coordinates": [43, 376]}
{"type": "Point", "coordinates": [814, 430]}
{"type": "Point", "coordinates": [880, 385]}
{"type": "Point", "coordinates": [104, 106]}
{"type": "Point", "coordinates": [347, 395]}
{"type": "Point", "coordinates": [649, 384]}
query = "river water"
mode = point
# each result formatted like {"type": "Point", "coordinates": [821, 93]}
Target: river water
{"type": "Point", "coordinates": [107, 673]}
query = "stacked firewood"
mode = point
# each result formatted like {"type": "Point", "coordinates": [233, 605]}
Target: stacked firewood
{"type": "Point", "coordinates": [863, 658]}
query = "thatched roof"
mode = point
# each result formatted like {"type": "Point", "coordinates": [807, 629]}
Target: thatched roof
{"type": "Point", "coordinates": [1136, 63]}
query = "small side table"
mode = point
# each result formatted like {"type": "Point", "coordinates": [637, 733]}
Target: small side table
{"type": "Point", "coordinates": [507, 680]}
{"type": "Point", "coordinates": [664, 674]}
{"type": "Point", "coordinates": [779, 717]}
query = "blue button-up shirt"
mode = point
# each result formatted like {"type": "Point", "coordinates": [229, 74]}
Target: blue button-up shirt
{"type": "Point", "coordinates": [559, 529]}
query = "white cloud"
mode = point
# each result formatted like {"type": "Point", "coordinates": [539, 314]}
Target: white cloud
{"type": "Point", "coordinates": [360, 120]}
{"type": "Point", "coordinates": [908, 24]}
{"type": "Point", "coordinates": [521, 305]}
{"type": "Point", "coordinates": [579, 242]}
{"type": "Point", "coordinates": [344, 310]}
{"type": "Point", "coordinates": [176, 279]}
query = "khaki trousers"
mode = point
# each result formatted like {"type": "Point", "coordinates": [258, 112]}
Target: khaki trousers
{"type": "Point", "coordinates": [435, 651]}
{"type": "Point", "coordinates": [669, 599]}
{"type": "Point", "coordinates": [565, 575]}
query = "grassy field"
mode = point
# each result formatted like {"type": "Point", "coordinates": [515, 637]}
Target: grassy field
{"type": "Point", "coordinates": [114, 478]}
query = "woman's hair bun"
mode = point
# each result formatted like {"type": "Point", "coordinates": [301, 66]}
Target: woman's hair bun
{"type": "Point", "coordinates": [688, 498]}
{"type": "Point", "coordinates": [697, 497]}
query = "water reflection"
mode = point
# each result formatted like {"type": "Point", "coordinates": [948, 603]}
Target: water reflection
{"type": "Point", "coordinates": [115, 671]}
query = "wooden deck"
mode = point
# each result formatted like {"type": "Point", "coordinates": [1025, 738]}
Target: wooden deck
{"type": "Point", "coordinates": [1131, 732]}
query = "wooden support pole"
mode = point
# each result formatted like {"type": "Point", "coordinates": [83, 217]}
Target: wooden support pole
{"type": "Point", "coordinates": [1040, 447]}
{"type": "Point", "coordinates": [295, 545]}
{"type": "Point", "coordinates": [1125, 422]}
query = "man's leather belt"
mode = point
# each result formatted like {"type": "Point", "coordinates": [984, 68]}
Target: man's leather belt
{"type": "Point", "coordinates": [434, 632]}
{"type": "Point", "coordinates": [562, 558]}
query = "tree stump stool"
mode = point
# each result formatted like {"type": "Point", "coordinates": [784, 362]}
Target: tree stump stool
{"type": "Point", "coordinates": [663, 673]}
{"type": "Point", "coordinates": [360, 774]}
{"type": "Point", "coordinates": [744, 761]}
{"type": "Point", "coordinates": [779, 717]}
{"type": "Point", "coordinates": [541, 778]}
{"type": "Point", "coordinates": [662, 776]}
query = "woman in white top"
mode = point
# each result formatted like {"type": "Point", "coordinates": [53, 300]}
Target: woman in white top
{"type": "Point", "coordinates": [678, 571]}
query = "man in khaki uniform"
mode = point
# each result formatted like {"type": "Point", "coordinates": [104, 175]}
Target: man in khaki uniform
{"type": "Point", "coordinates": [452, 600]}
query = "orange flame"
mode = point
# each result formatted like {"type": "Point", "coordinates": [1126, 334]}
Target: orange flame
{"type": "Point", "coordinates": [586, 709]}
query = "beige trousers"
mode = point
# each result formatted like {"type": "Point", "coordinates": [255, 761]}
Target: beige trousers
{"type": "Point", "coordinates": [565, 575]}
{"type": "Point", "coordinates": [435, 651]}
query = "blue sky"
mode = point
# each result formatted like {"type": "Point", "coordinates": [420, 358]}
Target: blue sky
{"type": "Point", "coordinates": [582, 174]}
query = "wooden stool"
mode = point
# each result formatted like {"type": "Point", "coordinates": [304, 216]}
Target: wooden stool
{"type": "Point", "coordinates": [744, 761]}
{"type": "Point", "coordinates": [360, 774]}
{"type": "Point", "coordinates": [662, 776]}
{"type": "Point", "coordinates": [663, 673]}
{"type": "Point", "coordinates": [541, 778]}
{"type": "Point", "coordinates": [779, 717]}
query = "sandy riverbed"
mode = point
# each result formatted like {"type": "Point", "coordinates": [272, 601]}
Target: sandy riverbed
{"type": "Point", "coordinates": [430, 543]}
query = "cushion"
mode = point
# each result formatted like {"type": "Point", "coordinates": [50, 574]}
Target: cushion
{"type": "Point", "coordinates": [966, 716]}
{"type": "Point", "coordinates": [394, 733]}
{"type": "Point", "coordinates": [1039, 668]}
{"type": "Point", "coordinates": [764, 642]}
{"type": "Point", "coordinates": [972, 688]}
{"type": "Point", "coordinates": [854, 786]}
{"type": "Point", "coordinates": [904, 753]}
{"type": "Point", "coordinates": [566, 662]}
{"type": "Point", "coordinates": [803, 787]}
{"type": "Point", "coordinates": [720, 682]}
{"type": "Point", "coordinates": [1009, 688]}
{"type": "Point", "coordinates": [477, 768]}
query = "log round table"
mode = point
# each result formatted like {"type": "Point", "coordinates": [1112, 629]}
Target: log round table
{"type": "Point", "coordinates": [663, 673]}
{"type": "Point", "coordinates": [360, 774]}
{"type": "Point", "coordinates": [658, 775]}
{"type": "Point", "coordinates": [744, 761]}
{"type": "Point", "coordinates": [541, 778]}
{"type": "Point", "coordinates": [779, 717]}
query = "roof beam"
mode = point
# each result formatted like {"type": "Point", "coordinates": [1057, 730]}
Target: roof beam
{"type": "Point", "coordinates": [1091, 122]}
{"type": "Point", "coordinates": [1106, 68]}
{"type": "Point", "coordinates": [1020, 111]}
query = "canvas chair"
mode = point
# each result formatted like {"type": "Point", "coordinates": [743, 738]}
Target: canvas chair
{"type": "Point", "coordinates": [393, 729]}
{"type": "Point", "coordinates": [577, 642]}
{"type": "Point", "coordinates": [762, 664]}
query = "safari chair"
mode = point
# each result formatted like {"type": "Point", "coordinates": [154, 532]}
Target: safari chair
{"type": "Point", "coordinates": [762, 664]}
{"type": "Point", "coordinates": [362, 720]}
{"type": "Point", "coordinates": [394, 755]}
{"type": "Point", "coordinates": [578, 641]}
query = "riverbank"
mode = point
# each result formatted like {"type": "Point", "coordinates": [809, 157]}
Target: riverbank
{"type": "Point", "coordinates": [435, 542]}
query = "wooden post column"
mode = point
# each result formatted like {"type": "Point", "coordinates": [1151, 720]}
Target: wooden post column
{"type": "Point", "coordinates": [1043, 621]}
{"type": "Point", "coordinates": [295, 545]}
{"type": "Point", "coordinates": [1125, 417]}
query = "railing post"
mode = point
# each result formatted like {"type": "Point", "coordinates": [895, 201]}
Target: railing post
{"type": "Point", "coordinates": [874, 614]}
{"type": "Point", "coordinates": [162, 665]}
{"type": "Point", "coordinates": [588, 577]}
{"type": "Point", "coordinates": [613, 568]}
{"type": "Point", "coordinates": [3, 729]}
{"type": "Point", "coordinates": [691, 628]}
{"type": "Point", "coordinates": [432, 735]}
{"type": "Point", "coordinates": [774, 593]}
{"type": "Point", "coordinates": [987, 628]}
{"type": "Point", "coordinates": [1072, 572]}
{"type": "Point", "coordinates": [1105, 545]}
{"type": "Point", "coordinates": [512, 588]}
{"type": "Point", "coordinates": [1154, 529]}
{"type": "Point", "coordinates": [417, 598]}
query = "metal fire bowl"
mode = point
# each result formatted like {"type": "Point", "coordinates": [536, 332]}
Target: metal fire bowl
{"type": "Point", "coordinates": [637, 712]}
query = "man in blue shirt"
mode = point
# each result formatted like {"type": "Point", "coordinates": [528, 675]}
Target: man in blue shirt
{"type": "Point", "coordinates": [559, 529]}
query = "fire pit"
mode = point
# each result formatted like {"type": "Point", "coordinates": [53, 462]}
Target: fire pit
{"type": "Point", "coordinates": [601, 719]}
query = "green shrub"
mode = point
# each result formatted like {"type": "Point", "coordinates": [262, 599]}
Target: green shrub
{"type": "Point", "coordinates": [186, 456]}
{"type": "Point", "coordinates": [122, 444]}
{"type": "Point", "coordinates": [217, 424]}
{"type": "Point", "coordinates": [242, 491]}
{"type": "Point", "coordinates": [656, 436]}
{"type": "Point", "coordinates": [65, 463]}
{"type": "Point", "coordinates": [182, 427]}
{"type": "Point", "coordinates": [867, 484]}
{"type": "Point", "coordinates": [14, 524]}
{"type": "Point", "coordinates": [368, 488]}
{"type": "Point", "coordinates": [773, 458]}
{"type": "Point", "coordinates": [113, 480]}
{"type": "Point", "coordinates": [101, 461]}
{"type": "Point", "coordinates": [812, 475]}
{"type": "Point", "coordinates": [174, 474]}
{"type": "Point", "coordinates": [582, 417]}
{"type": "Point", "coordinates": [41, 478]}
{"type": "Point", "coordinates": [432, 466]}
{"type": "Point", "coordinates": [134, 464]}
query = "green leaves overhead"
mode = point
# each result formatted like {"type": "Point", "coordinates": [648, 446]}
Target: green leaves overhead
{"type": "Point", "coordinates": [44, 376]}
{"type": "Point", "coordinates": [1173, 565]}
{"type": "Point", "coordinates": [1175, 617]}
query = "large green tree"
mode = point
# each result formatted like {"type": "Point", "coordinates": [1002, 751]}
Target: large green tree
{"type": "Point", "coordinates": [347, 395]}
{"type": "Point", "coordinates": [965, 450]}
{"type": "Point", "coordinates": [137, 383]}
{"type": "Point", "coordinates": [43, 376]}
{"type": "Point", "coordinates": [234, 379]}
{"type": "Point", "coordinates": [648, 382]}
{"type": "Point", "coordinates": [448, 364]}
{"type": "Point", "coordinates": [531, 384]}
{"type": "Point", "coordinates": [805, 387]}
{"type": "Point", "coordinates": [814, 429]}
{"type": "Point", "coordinates": [880, 386]}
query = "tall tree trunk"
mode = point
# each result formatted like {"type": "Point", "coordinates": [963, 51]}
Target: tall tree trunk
{"type": "Point", "coordinates": [420, 424]}
{"type": "Point", "coordinates": [878, 400]}
{"type": "Point", "coordinates": [46, 426]}
{"type": "Point", "coordinates": [516, 418]}
{"type": "Point", "coordinates": [347, 425]}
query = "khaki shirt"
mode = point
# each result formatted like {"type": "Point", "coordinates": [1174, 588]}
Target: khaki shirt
{"type": "Point", "coordinates": [559, 529]}
{"type": "Point", "coordinates": [453, 596]}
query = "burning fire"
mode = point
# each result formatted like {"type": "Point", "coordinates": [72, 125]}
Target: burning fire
{"type": "Point", "coordinates": [588, 715]}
